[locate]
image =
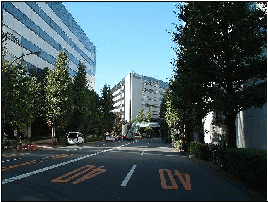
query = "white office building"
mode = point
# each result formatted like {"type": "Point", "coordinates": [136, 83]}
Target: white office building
{"type": "Point", "coordinates": [136, 92]}
{"type": "Point", "coordinates": [46, 28]}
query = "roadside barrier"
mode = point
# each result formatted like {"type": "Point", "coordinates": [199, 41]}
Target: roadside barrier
{"type": "Point", "coordinates": [28, 147]}
{"type": "Point", "coordinates": [34, 147]}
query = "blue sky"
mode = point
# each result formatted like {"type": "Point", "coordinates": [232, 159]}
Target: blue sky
{"type": "Point", "coordinates": [129, 36]}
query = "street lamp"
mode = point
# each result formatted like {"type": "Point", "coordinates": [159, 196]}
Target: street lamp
{"type": "Point", "coordinates": [35, 53]}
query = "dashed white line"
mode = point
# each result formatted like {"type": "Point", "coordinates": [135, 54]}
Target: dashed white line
{"type": "Point", "coordinates": [124, 183]}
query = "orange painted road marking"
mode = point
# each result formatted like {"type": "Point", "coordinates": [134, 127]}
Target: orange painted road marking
{"type": "Point", "coordinates": [93, 173]}
{"type": "Point", "coordinates": [22, 164]}
{"type": "Point", "coordinates": [163, 180]}
{"type": "Point", "coordinates": [35, 161]}
{"type": "Point", "coordinates": [185, 182]}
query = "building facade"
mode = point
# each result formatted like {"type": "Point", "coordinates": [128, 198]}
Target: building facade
{"type": "Point", "coordinates": [136, 92]}
{"type": "Point", "coordinates": [46, 28]}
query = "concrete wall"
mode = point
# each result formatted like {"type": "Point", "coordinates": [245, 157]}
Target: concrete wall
{"type": "Point", "coordinates": [251, 127]}
{"type": "Point", "coordinates": [136, 89]}
{"type": "Point", "coordinates": [128, 97]}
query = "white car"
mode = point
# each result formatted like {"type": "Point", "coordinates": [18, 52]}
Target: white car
{"type": "Point", "coordinates": [75, 138]}
{"type": "Point", "coordinates": [110, 137]}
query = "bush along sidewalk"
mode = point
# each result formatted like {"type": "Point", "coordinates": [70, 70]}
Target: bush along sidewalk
{"type": "Point", "coordinates": [246, 165]}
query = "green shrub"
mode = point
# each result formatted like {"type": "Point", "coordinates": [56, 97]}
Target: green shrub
{"type": "Point", "coordinates": [248, 165]}
{"type": "Point", "coordinates": [199, 150]}
{"type": "Point", "coordinates": [178, 144]}
{"type": "Point", "coordinates": [93, 139]}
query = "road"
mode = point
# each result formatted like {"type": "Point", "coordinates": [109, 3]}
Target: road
{"type": "Point", "coordinates": [140, 170]}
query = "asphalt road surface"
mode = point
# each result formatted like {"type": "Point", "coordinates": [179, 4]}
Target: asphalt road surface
{"type": "Point", "coordinates": [140, 170]}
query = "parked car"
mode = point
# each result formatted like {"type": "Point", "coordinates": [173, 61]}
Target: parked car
{"type": "Point", "coordinates": [75, 138]}
{"type": "Point", "coordinates": [110, 137]}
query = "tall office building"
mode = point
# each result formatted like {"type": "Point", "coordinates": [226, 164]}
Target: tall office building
{"type": "Point", "coordinates": [137, 92]}
{"type": "Point", "coordinates": [46, 28]}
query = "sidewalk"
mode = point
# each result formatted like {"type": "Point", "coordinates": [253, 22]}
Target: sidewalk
{"type": "Point", "coordinates": [39, 144]}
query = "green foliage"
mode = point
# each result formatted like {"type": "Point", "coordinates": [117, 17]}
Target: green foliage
{"type": "Point", "coordinates": [179, 145]}
{"type": "Point", "coordinates": [93, 139]}
{"type": "Point", "coordinates": [58, 91]}
{"type": "Point", "coordinates": [220, 64]}
{"type": "Point", "coordinates": [199, 150]}
{"type": "Point", "coordinates": [29, 97]}
{"type": "Point", "coordinates": [106, 103]}
{"type": "Point", "coordinates": [18, 95]}
{"type": "Point", "coordinates": [81, 112]}
{"type": "Point", "coordinates": [140, 116]}
{"type": "Point", "coordinates": [248, 165]}
{"type": "Point", "coordinates": [148, 130]}
{"type": "Point", "coordinates": [149, 115]}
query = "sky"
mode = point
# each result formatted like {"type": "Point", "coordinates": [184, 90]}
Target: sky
{"type": "Point", "coordinates": [129, 36]}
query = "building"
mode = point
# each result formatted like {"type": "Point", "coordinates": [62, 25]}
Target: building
{"type": "Point", "coordinates": [46, 28]}
{"type": "Point", "coordinates": [136, 92]}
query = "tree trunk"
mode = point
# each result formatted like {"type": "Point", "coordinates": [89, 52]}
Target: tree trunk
{"type": "Point", "coordinates": [201, 131]}
{"type": "Point", "coordinates": [231, 133]}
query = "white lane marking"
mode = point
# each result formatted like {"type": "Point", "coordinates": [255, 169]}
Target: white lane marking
{"type": "Point", "coordinates": [12, 179]}
{"type": "Point", "coordinates": [142, 153]}
{"type": "Point", "coordinates": [124, 183]}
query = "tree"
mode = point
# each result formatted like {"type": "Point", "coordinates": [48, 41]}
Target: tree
{"type": "Point", "coordinates": [222, 43]}
{"type": "Point", "coordinates": [108, 116]}
{"type": "Point", "coordinates": [39, 127]}
{"type": "Point", "coordinates": [18, 95]}
{"type": "Point", "coordinates": [140, 116]}
{"type": "Point", "coordinates": [94, 124]}
{"type": "Point", "coordinates": [81, 112]}
{"type": "Point", "coordinates": [18, 92]}
{"type": "Point", "coordinates": [58, 92]}
{"type": "Point", "coordinates": [149, 115]}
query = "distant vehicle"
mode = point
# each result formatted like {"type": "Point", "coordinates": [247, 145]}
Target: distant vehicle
{"type": "Point", "coordinates": [138, 136]}
{"type": "Point", "coordinates": [110, 137]}
{"type": "Point", "coordinates": [75, 138]}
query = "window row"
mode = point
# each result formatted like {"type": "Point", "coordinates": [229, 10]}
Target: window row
{"type": "Point", "coordinates": [68, 20]}
{"type": "Point", "coordinates": [38, 31]}
{"type": "Point", "coordinates": [53, 25]}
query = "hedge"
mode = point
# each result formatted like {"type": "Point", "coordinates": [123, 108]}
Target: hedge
{"type": "Point", "coordinates": [95, 138]}
{"type": "Point", "coordinates": [199, 150]}
{"type": "Point", "coordinates": [248, 165]}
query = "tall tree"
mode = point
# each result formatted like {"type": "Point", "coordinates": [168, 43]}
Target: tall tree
{"type": "Point", "coordinates": [222, 43]}
{"type": "Point", "coordinates": [18, 91]}
{"type": "Point", "coordinates": [94, 123]}
{"type": "Point", "coordinates": [149, 115]}
{"type": "Point", "coordinates": [108, 116]}
{"type": "Point", "coordinates": [140, 116]}
{"type": "Point", "coordinates": [80, 112]}
{"type": "Point", "coordinates": [18, 95]}
{"type": "Point", "coordinates": [58, 92]}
